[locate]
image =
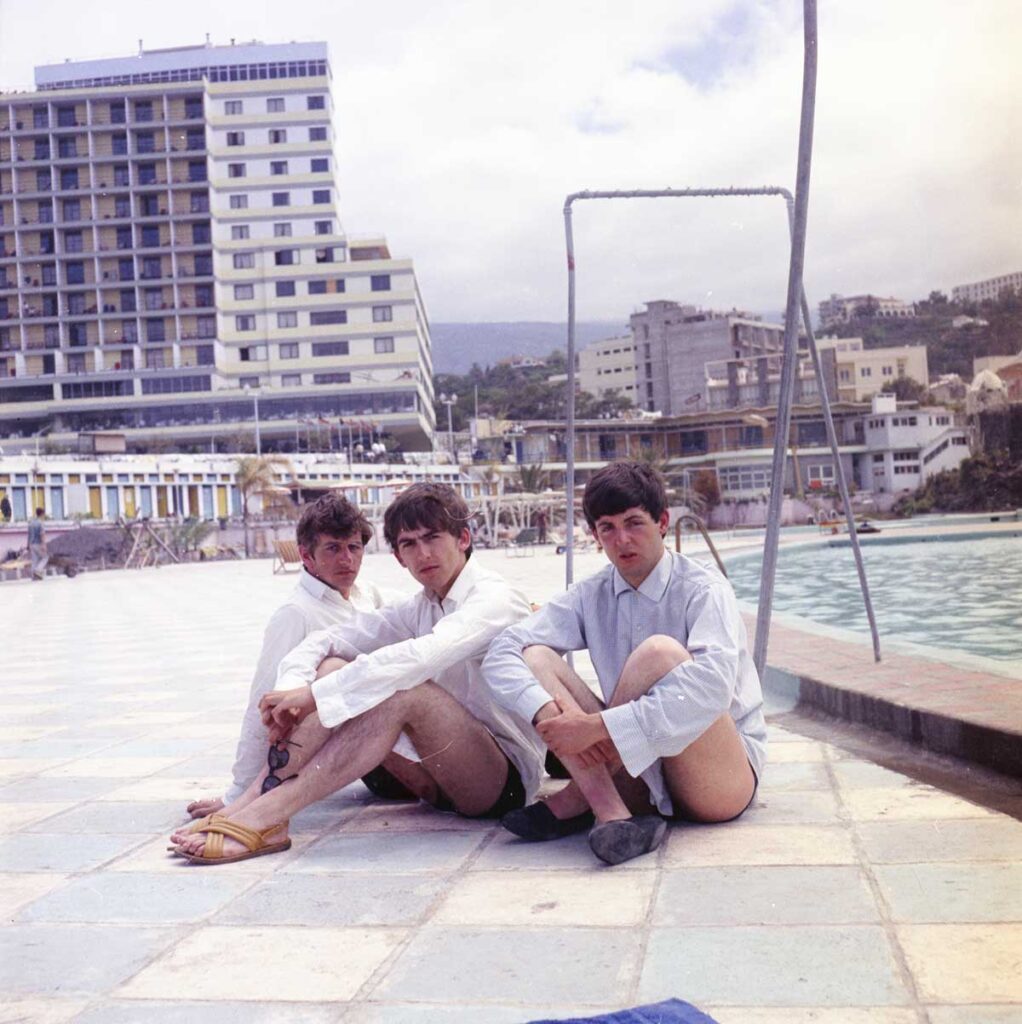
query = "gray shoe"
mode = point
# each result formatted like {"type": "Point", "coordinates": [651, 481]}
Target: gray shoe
{"type": "Point", "coordinates": [614, 842]}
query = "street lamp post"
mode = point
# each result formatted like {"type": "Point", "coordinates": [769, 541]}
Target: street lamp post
{"type": "Point", "coordinates": [254, 392]}
{"type": "Point", "coordinates": [449, 400]}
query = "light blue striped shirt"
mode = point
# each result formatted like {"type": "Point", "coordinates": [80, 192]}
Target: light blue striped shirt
{"type": "Point", "coordinates": [604, 614]}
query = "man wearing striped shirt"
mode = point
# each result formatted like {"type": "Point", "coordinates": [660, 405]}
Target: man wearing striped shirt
{"type": "Point", "coordinates": [680, 731]}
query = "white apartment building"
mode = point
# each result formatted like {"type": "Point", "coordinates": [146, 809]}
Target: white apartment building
{"type": "Point", "coordinates": [172, 261]}
{"type": "Point", "coordinates": [904, 447]}
{"type": "Point", "coordinates": [840, 308]}
{"type": "Point", "coordinates": [990, 288]}
{"type": "Point", "coordinates": [608, 366]}
{"type": "Point", "coordinates": [862, 373]}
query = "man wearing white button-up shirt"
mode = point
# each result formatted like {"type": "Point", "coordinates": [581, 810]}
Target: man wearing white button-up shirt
{"type": "Point", "coordinates": [411, 670]}
{"type": "Point", "coordinates": [680, 730]}
{"type": "Point", "coordinates": [331, 534]}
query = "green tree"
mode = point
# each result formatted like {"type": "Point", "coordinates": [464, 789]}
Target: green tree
{"type": "Point", "coordinates": [905, 389]}
{"type": "Point", "coordinates": [256, 477]}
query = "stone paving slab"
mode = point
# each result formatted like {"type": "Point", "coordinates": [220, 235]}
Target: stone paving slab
{"type": "Point", "coordinates": [848, 894]}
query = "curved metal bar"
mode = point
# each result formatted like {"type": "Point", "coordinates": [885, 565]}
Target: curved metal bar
{"type": "Point", "coordinates": [793, 311]}
{"type": "Point", "coordinates": [691, 517]}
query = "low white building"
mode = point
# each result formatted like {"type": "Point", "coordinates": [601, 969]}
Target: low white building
{"type": "Point", "coordinates": [904, 447]}
{"type": "Point", "coordinates": [990, 288]}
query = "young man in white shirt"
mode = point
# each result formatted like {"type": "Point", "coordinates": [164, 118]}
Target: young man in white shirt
{"type": "Point", "coordinates": [331, 534]}
{"type": "Point", "coordinates": [409, 673]}
{"type": "Point", "coordinates": [680, 731]}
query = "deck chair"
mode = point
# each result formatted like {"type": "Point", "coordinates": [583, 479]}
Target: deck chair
{"type": "Point", "coordinates": [286, 557]}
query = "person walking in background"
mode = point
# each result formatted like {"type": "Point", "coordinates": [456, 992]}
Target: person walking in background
{"type": "Point", "coordinates": [37, 545]}
{"type": "Point", "coordinates": [5, 508]}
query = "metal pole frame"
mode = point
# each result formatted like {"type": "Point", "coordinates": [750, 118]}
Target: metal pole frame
{"type": "Point", "coordinates": [797, 208]}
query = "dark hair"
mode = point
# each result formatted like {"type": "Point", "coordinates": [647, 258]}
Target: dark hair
{"type": "Point", "coordinates": [40, 511]}
{"type": "Point", "coordinates": [427, 506]}
{"type": "Point", "coordinates": [621, 486]}
{"type": "Point", "coordinates": [333, 515]}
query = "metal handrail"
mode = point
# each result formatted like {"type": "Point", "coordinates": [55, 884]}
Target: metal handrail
{"type": "Point", "coordinates": [691, 517]}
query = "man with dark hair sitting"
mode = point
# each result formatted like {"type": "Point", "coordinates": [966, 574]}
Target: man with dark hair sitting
{"type": "Point", "coordinates": [331, 534]}
{"type": "Point", "coordinates": [410, 669]}
{"type": "Point", "coordinates": [680, 731]}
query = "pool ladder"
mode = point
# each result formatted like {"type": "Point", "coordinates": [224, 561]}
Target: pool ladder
{"type": "Point", "coordinates": [690, 517]}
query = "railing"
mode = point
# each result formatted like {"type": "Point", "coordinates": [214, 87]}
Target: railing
{"type": "Point", "coordinates": [691, 518]}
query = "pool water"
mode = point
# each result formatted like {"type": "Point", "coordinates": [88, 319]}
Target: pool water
{"type": "Point", "coordinates": [965, 595]}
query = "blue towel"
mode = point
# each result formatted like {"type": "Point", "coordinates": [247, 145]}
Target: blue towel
{"type": "Point", "coordinates": [670, 1011]}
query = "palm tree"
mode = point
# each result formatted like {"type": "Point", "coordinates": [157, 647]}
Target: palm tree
{"type": "Point", "coordinates": [531, 479]}
{"type": "Point", "coordinates": [256, 476]}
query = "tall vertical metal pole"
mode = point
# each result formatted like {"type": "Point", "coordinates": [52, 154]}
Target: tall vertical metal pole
{"type": "Point", "coordinates": [569, 469]}
{"type": "Point", "coordinates": [793, 310]}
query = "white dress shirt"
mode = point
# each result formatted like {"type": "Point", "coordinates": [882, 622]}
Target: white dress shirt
{"type": "Point", "coordinates": [605, 614]}
{"type": "Point", "coordinates": [312, 605]}
{"type": "Point", "coordinates": [422, 638]}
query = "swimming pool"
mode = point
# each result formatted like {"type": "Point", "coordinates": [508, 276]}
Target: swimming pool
{"type": "Point", "coordinates": [963, 595]}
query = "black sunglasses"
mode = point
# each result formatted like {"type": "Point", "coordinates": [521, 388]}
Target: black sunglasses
{"type": "Point", "coordinates": [276, 759]}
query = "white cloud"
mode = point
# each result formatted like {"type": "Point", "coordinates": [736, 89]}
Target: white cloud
{"type": "Point", "coordinates": [462, 126]}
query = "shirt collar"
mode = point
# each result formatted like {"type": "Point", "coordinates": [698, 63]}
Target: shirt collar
{"type": "Point", "coordinates": [459, 589]}
{"type": "Point", "coordinates": [320, 591]}
{"type": "Point", "coordinates": [654, 585]}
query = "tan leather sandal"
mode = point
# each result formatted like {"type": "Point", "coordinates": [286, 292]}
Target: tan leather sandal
{"type": "Point", "coordinates": [195, 826]}
{"type": "Point", "coordinates": [255, 842]}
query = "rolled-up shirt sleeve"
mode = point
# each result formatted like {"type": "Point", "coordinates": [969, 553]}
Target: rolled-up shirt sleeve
{"type": "Point", "coordinates": [683, 704]}
{"type": "Point", "coordinates": [557, 625]}
{"type": "Point", "coordinates": [400, 664]}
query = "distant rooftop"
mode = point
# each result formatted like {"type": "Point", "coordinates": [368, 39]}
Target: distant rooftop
{"type": "Point", "coordinates": [249, 60]}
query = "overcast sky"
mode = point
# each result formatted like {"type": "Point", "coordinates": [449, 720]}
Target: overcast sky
{"type": "Point", "coordinates": [462, 124]}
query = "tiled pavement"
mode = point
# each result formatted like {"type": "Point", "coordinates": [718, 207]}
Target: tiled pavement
{"type": "Point", "coordinates": [848, 895]}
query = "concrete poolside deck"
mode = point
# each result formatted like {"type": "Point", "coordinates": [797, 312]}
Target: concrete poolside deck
{"type": "Point", "coordinates": [854, 894]}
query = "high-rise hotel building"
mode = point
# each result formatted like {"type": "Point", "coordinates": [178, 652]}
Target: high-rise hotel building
{"type": "Point", "coordinates": [171, 258]}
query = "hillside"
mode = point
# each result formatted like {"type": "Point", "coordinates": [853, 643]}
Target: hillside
{"type": "Point", "coordinates": [456, 346]}
{"type": "Point", "coordinates": [949, 350]}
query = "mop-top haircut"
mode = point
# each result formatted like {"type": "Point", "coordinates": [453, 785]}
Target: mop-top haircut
{"type": "Point", "coordinates": [333, 516]}
{"type": "Point", "coordinates": [436, 507]}
{"type": "Point", "coordinates": [621, 486]}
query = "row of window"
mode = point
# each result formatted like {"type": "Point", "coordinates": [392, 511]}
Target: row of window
{"type": "Point", "coordinates": [145, 174]}
{"type": "Point", "coordinates": [317, 318]}
{"type": "Point", "coordinates": [239, 232]}
{"type": "Point", "coordinates": [290, 257]}
{"type": "Point", "coordinates": [319, 195]}
{"type": "Point", "coordinates": [317, 165]}
{"type": "Point", "coordinates": [277, 136]}
{"type": "Point", "coordinates": [291, 350]}
{"type": "Point", "coordinates": [149, 205]}
{"type": "Point", "coordinates": [275, 104]}
{"type": "Point", "coordinates": [322, 286]}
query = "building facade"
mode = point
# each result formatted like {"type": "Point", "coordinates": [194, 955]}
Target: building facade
{"type": "Point", "coordinates": [904, 447]}
{"type": "Point", "coordinates": [673, 344]}
{"type": "Point", "coordinates": [861, 373]}
{"type": "Point", "coordinates": [839, 309]}
{"type": "Point", "coordinates": [172, 262]}
{"type": "Point", "coordinates": [990, 288]}
{"type": "Point", "coordinates": [608, 366]}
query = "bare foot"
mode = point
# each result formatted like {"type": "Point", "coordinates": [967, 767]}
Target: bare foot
{"type": "Point", "coordinates": [194, 842]}
{"type": "Point", "coordinates": [208, 805]}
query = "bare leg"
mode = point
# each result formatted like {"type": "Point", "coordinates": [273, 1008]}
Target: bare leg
{"type": "Point", "coordinates": [710, 780]}
{"type": "Point", "coordinates": [310, 742]}
{"type": "Point", "coordinates": [458, 753]}
{"type": "Point", "coordinates": [591, 786]}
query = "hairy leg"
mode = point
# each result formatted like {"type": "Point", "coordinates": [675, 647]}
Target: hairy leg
{"type": "Point", "coordinates": [311, 735]}
{"type": "Point", "coordinates": [710, 780]}
{"type": "Point", "coordinates": [592, 785]}
{"type": "Point", "coordinates": [457, 752]}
